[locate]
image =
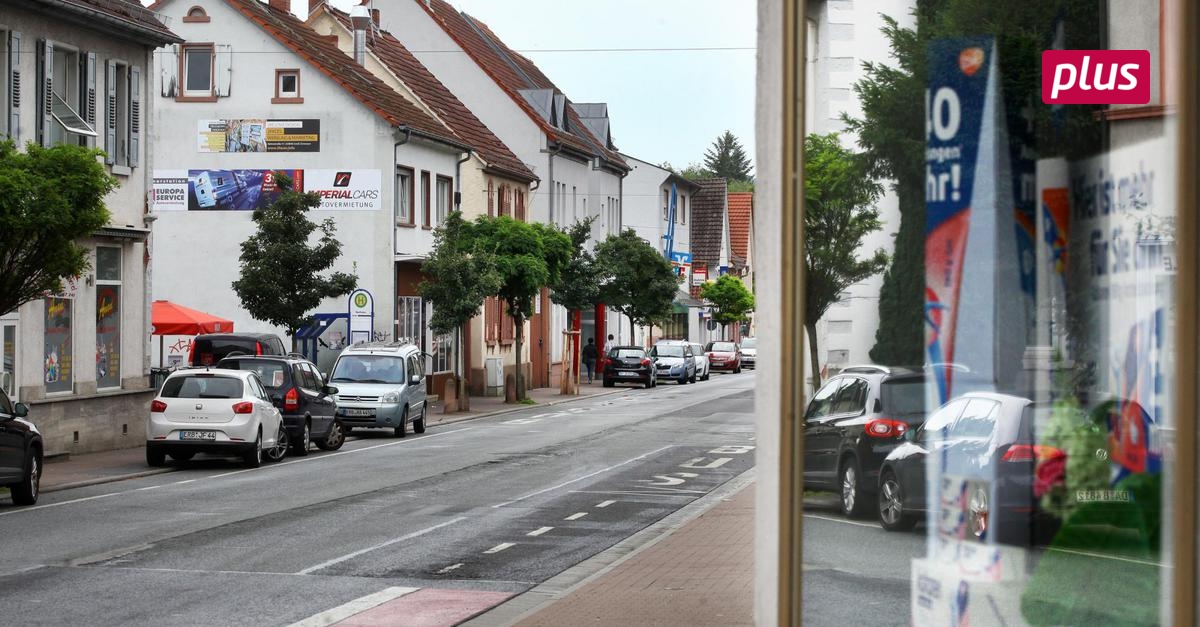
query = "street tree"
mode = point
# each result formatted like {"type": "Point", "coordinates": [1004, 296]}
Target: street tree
{"type": "Point", "coordinates": [578, 287]}
{"type": "Point", "coordinates": [839, 213]}
{"type": "Point", "coordinates": [459, 276]}
{"type": "Point", "coordinates": [527, 258]}
{"type": "Point", "coordinates": [49, 197]}
{"type": "Point", "coordinates": [729, 299]}
{"type": "Point", "coordinates": [636, 279]}
{"type": "Point", "coordinates": [727, 159]}
{"type": "Point", "coordinates": [281, 279]}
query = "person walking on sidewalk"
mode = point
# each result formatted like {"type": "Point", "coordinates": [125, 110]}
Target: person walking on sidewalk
{"type": "Point", "coordinates": [589, 357]}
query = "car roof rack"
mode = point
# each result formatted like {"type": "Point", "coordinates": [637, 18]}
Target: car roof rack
{"type": "Point", "coordinates": [866, 369]}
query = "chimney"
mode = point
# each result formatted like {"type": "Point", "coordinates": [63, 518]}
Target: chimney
{"type": "Point", "coordinates": [281, 5]}
{"type": "Point", "coordinates": [375, 17]}
{"type": "Point", "coordinates": [313, 5]}
{"type": "Point", "coordinates": [360, 20]}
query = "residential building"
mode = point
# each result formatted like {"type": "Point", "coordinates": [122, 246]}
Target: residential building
{"type": "Point", "coordinates": [711, 254]}
{"type": "Point", "coordinates": [741, 244]}
{"type": "Point", "coordinates": [492, 181]}
{"type": "Point", "coordinates": [78, 72]}
{"type": "Point", "coordinates": [252, 91]}
{"type": "Point", "coordinates": [568, 146]}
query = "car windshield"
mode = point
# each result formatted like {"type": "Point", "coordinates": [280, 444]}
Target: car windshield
{"type": "Point", "coordinates": [667, 350]}
{"type": "Point", "coordinates": [369, 369]}
{"type": "Point", "coordinates": [627, 353]}
{"type": "Point", "coordinates": [722, 347]}
{"type": "Point", "coordinates": [272, 373]}
{"type": "Point", "coordinates": [749, 343]}
{"type": "Point", "coordinates": [202, 386]}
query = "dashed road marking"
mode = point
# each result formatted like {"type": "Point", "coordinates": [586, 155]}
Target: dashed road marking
{"type": "Point", "coordinates": [357, 606]}
{"type": "Point", "coordinates": [604, 504]}
{"type": "Point", "coordinates": [499, 547]}
{"type": "Point", "coordinates": [678, 479]}
{"type": "Point", "coordinates": [578, 479]}
{"type": "Point", "coordinates": [576, 516]}
{"type": "Point", "coordinates": [539, 531]}
{"type": "Point", "coordinates": [716, 463]}
{"type": "Point", "coordinates": [450, 568]}
{"type": "Point", "coordinates": [348, 556]}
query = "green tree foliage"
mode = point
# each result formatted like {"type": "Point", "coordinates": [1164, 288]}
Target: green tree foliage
{"type": "Point", "coordinates": [281, 271]}
{"type": "Point", "coordinates": [636, 279]}
{"type": "Point", "coordinates": [839, 213]}
{"type": "Point", "coordinates": [49, 197]}
{"type": "Point", "coordinates": [726, 158]}
{"type": "Point", "coordinates": [731, 301]}
{"type": "Point", "coordinates": [578, 287]}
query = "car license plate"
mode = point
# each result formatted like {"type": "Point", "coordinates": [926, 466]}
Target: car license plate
{"type": "Point", "coordinates": [358, 412]}
{"type": "Point", "coordinates": [197, 435]}
{"type": "Point", "coordinates": [629, 374]}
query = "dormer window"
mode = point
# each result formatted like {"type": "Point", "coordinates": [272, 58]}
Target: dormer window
{"type": "Point", "coordinates": [195, 15]}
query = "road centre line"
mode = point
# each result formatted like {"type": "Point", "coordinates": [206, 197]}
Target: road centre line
{"type": "Point", "coordinates": [499, 547]}
{"type": "Point", "coordinates": [407, 536]}
{"type": "Point", "coordinates": [841, 520]}
{"type": "Point", "coordinates": [538, 532]}
{"type": "Point", "coordinates": [576, 516]}
{"type": "Point", "coordinates": [587, 476]}
{"type": "Point", "coordinates": [357, 606]}
{"type": "Point", "coordinates": [604, 504]}
{"type": "Point", "coordinates": [450, 568]}
{"type": "Point", "coordinates": [70, 502]}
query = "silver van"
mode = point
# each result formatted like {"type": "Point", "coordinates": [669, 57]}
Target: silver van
{"type": "Point", "coordinates": [380, 385]}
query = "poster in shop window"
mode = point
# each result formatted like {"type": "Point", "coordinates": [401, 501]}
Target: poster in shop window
{"type": "Point", "coordinates": [258, 135]}
{"type": "Point", "coordinates": [57, 368]}
{"type": "Point", "coordinates": [108, 336]}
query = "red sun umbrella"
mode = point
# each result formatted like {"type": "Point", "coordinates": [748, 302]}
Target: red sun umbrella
{"type": "Point", "coordinates": [168, 318]}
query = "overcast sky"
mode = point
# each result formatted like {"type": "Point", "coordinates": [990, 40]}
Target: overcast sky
{"type": "Point", "coordinates": [664, 105]}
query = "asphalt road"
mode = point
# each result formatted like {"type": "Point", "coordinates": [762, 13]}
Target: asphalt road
{"type": "Point", "coordinates": [471, 513]}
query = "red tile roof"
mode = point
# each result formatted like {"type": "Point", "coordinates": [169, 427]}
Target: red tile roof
{"type": "Point", "coordinates": [434, 94]}
{"type": "Point", "coordinates": [130, 12]}
{"type": "Point", "coordinates": [513, 72]}
{"type": "Point", "coordinates": [741, 216]}
{"type": "Point", "coordinates": [324, 55]}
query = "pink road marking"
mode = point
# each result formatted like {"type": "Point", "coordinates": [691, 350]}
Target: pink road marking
{"type": "Point", "coordinates": [428, 607]}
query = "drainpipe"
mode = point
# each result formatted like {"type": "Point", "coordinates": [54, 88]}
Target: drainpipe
{"type": "Point", "coordinates": [458, 180]}
{"type": "Point", "coordinates": [463, 384]}
{"type": "Point", "coordinates": [395, 164]}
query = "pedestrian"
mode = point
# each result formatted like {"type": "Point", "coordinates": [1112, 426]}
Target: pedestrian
{"type": "Point", "coordinates": [609, 344]}
{"type": "Point", "coordinates": [589, 358]}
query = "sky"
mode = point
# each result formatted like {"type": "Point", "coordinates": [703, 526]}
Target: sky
{"type": "Point", "coordinates": [663, 105]}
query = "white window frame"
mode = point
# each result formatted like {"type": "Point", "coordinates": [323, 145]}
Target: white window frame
{"type": "Point", "coordinates": [183, 83]}
{"type": "Point", "coordinates": [404, 197]}
{"type": "Point", "coordinates": [280, 75]}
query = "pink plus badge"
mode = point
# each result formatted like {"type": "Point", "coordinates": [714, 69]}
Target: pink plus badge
{"type": "Point", "coordinates": [1096, 77]}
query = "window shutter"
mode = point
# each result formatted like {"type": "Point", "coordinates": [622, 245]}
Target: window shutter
{"type": "Point", "coordinates": [135, 115]}
{"type": "Point", "coordinates": [168, 70]}
{"type": "Point", "coordinates": [46, 93]}
{"type": "Point", "coordinates": [110, 110]}
{"type": "Point", "coordinates": [88, 110]}
{"type": "Point", "coordinates": [14, 95]}
{"type": "Point", "coordinates": [490, 198]}
{"type": "Point", "coordinates": [224, 69]}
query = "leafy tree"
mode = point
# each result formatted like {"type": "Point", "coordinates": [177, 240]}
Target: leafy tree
{"type": "Point", "coordinates": [726, 158]}
{"type": "Point", "coordinates": [731, 301]}
{"type": "Point", "coordinates": [578, 287]}
{"type": "Point", "coordinates": [636, 279]}
{"type": "Point", "coordinates": [838, 214]}
{"type": "Point", "coordinates": [527, 257]}
{"type": "Point", "coordinates": [49, 197]}
{"type": "Point", "coordinates": [459, 278]}
{"type": "Point", "coordinates": [281, 280]}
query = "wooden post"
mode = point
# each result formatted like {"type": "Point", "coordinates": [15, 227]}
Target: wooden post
{"type": "Point", "coordinates": [570, 374]}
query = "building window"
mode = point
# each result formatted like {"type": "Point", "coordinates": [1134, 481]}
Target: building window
{"type": "Point", "coordinates": [409, 327]}
{"type": "Point", "coordinates": [108, 317]}
{"type": "Point", "coordinates": [443, 353]}
{"type": "Point", "coordinates": [198, 70]}
{"type": "Point", "coordinates": [57, 369]}
{"type": "Point", "coordinates": [122, 122]}
{"type": "Point", "coordinates": [521, 205]}
{"type": "Point", "coordinates": [840, 326]}
{"type": "Point", "coordinates": [404, 197]}
{"type": "Point", "coordinates": [574, 204]}
{"type": "Point", "coordinates": [505, 207]}
{"type": "Point", "coordinates": [683, 208]}
{"type": "Point", "coordinates": [425, 200]}
{"type": "Point", "coordinates": [491, 199]}
{"type": "Point", "coordinates": [491, 320]}
{"type": "Point", "coordinates": [666, 205]}
{"type": "Point", "coordinates": [195, 14]}
{"type": "Point", "coordinates": [287, 87]}
{"type": "Point", "coordinates": [445, 198]}
{"type": "Point", "coordinates": [67, 97]}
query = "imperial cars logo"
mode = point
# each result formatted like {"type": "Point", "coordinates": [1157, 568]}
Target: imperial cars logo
{"type": "Point", "coordinates": [341, 179]}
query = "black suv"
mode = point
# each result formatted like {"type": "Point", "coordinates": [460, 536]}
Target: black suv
{"type": "Point", "coordinates": [20, 452]}
{"type": "Point", "coordinates": [299, 391]}
{"type": "Point", "coordinates": [851, 425]}
{"type": "Point", "coordinates": [209, 348]}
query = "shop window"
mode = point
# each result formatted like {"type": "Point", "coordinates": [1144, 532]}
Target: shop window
{"type": "Point", "coordinates": [108, 317]}
{"type": "Point", "coordinates": [57, 366]}
{"type": "Point", "coordinates": [409, 313]}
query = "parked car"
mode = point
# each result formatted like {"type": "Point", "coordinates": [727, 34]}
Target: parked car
{"type": "Point", "coordinates": [20, 452]}
{"type": "Point", "coordinates": [214, 411]}
{"type": "Point", "coordinates": [748, 351]}
{"type": "Point", "coordinates": [381, 385]}
{"type": "Point", "coordinates": [210, 348]}
{"type": "Point", "coordinates": [702, 365]}
{"type": "Point", "coordinates": [673, 359]}
{"type": "Point", "coordinates": [629, 364]}
{"type": "Point", "coordinates": [723, 357]}
{"type": "Point", "coordinates": [299, 392]}
{"type": "Point", "coordinates": [989, 443]}
{"type": "Point", "coordinates": [851, 424]}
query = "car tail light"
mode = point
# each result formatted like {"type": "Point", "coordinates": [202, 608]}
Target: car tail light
{"type": "Point", "coordinates": [244, 407]}
{"type": "Point", "coordinates": [645, 362]}
{"type": "Point", "coordinates": [291, 400]}
{"type": "Point", "coordinates": [885, 428]}
{"type": "Point", "coordinates": [1031, 452]}
{"type": "Point", "coordinates": [258, 348]}
{"type": "Point", "coordinates": [157, 406]}
{"type": "Point", "coordinates": [192, 354]}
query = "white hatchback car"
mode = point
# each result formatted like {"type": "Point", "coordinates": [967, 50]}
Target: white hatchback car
{"type": "Point", "coordinates": [702, 365]}
{"type": "Point", "coordinates": [214, 411]}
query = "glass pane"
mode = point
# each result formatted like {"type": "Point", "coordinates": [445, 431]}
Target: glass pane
{"type": "Point", "coordinates": [57, 367]}
{"type": "Point", "coordinates": [8, 358]}
{"type": "Point", "coordinates": [108, 263]}
{"type": "Point", "coordinates": [198, 70]}
{"type": "Point", "coordinates": [108, 336]}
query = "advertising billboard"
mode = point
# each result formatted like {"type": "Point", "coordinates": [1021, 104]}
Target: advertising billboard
{"type": "Point", "coordinates": [258, 135]}
{"type": "Point", "coordinates": [249, 189]}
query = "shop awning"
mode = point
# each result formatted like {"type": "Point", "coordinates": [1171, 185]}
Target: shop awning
{"type": "Point", "coordinates": [169, 318]}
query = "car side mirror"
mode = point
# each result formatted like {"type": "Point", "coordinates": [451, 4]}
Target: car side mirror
{"type": "Point", "coordinates": [329, 390]}
{"type": "Point", "coordinates": [20, 410]}
{"type": "Point", "coordinates": [415, 379]}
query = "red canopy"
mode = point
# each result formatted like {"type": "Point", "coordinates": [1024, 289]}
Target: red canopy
{"type": "Point", "coordinates": [171, 319]}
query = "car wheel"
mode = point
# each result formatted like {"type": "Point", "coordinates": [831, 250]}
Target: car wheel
{"type": "Point", "coordinates": [26, 492]}
{"type": "Point", "coordinates": [705, 377]}
{"type": "Point", "coordinates": [977, 512]}
{"type": "Point", "coordinates": [183, 456]}
{"type": "Point", "coordinates": [648, 384]}
{"type": "Point", "coordinates": [155, 457]}
{"type": "Point", "coordinates": [737, 370]}
{"type": "Point", "coordinates": [419, 423]}
{"type": "Point", "coordinates": [892, 515]}
{"type": "Point", "coordinates": [277, 452]}
{"type": "Point", "coordinates": [401, 430]}
{"type": "Point", "coordinates": [335, 439]}
{"type": "Point", "coordinates": [300, 447]}
{"type": "Point", "coordinates": [608, 383]}
{"type": "Point", "coordinates": [693, 379]}
{"type": "Point", "coordinates": [253, 457]}
{"type": "Point", "coordinates": [852, 500]}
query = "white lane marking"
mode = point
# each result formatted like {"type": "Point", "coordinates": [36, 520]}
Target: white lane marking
{"type": "Point", "coordinates": [499, 547]}
{"type": "Point", "coordinates": [678, 479]}
{"type": "Point", "coordinates": [842, 520]}
{"type": "Point", "coordinates": [682, 493]}
{"type": "Point", "coordinates": [450, 568]}
{"type": "Point", "coordinates": [539, 531]}
{"type": "Point", "coordinates": [521, 421]}
{"type": "Point", "coordinates": [183, 482]}
{"type": "Point", "coordinates": [1110, 557]}
{"type": "Point", "coordinates": [732, 449]}
{"type": "Point", "coordinates": [149, 487]}
{"type": "Point", "coordinates": [578, 479]}
{"type": "Point", "coordinates": [357, 606]}
{"type": "Point", "coordinates": [60, 503]}
{"type": "Point", "coordinates": [576, 516]}
{"type": "Point", "coordinates": [408, 536]}
{"type": "Point", "coordinates": [604, 504]}
{"type": "Point", "coordinates": [716, 463]}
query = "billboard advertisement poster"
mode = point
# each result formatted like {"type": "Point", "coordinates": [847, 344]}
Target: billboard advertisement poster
{"type": "Point", "coordinates": [258, 135]}
{"type": "Point", "coordinates": [699, 276]}
{"type": "Point", "coordinates": [682, 264]}
{"type": "Point", "coordinates": [247, 189]}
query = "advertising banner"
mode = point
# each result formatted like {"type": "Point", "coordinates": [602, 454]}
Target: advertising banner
{"type": "Point", "coordinates": [682, 264]}
{"type": "Point", "coordinates": [258, 135]}
{"type": "Point", "coordinates": [247, 189]}
{"type": "Point", "coordinates": [699, 276]}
